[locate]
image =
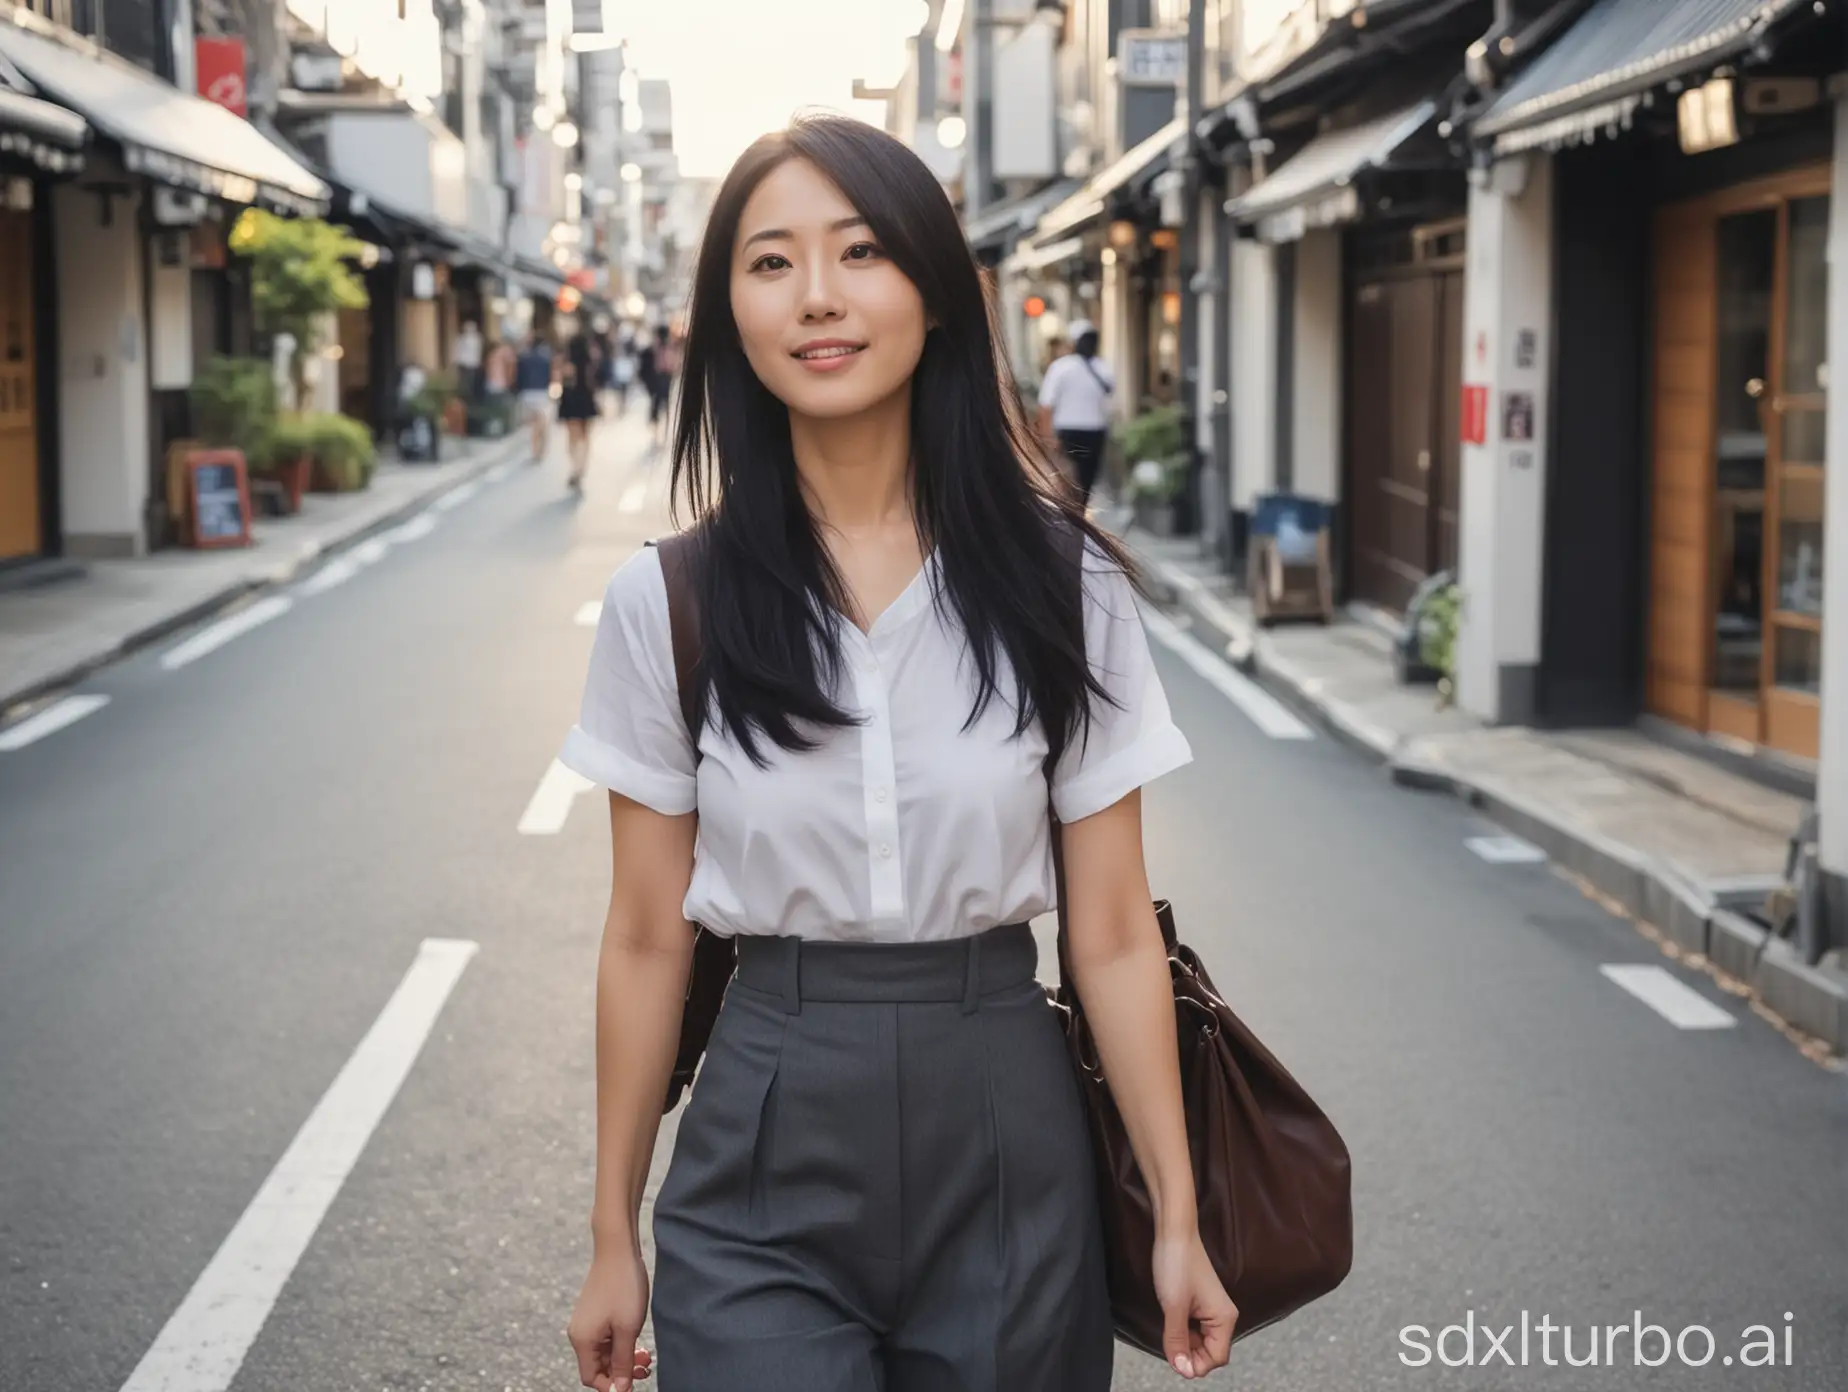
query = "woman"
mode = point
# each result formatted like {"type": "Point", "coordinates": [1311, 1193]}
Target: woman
{"type": "Point", "coordinates": [577, 404]}
{"type": "Point", "coordinates": [1074, 404]}
{"type": "Point", "coordinates": [882, 1179]}
{"type": "Point", "coordinates": [532, 379]}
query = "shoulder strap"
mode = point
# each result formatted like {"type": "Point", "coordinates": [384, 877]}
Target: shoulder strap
{"type": "Point", "coordinates": [1106, 388]}
{"type": "Point", "coordinates": [679, 570]}
{"type": "Point", "coordinates": [1068, 543]}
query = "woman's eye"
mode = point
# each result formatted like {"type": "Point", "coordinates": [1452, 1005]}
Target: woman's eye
{"type": "Point", "coordinates": [863, 251]}
{"type": "Point", "coordinates": [770, 262]}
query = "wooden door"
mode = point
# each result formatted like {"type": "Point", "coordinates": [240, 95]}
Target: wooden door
{"type": "Point", "coordinates": [1447, 416]}
{"type": "Point", "coordinates": [20, 531]}
{"type": "Point", "coordinates": [1403, 519]}
{"type": "Point", "coordinates": [1686, 258]}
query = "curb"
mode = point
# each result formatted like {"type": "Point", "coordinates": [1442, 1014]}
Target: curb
{"type": "Point", "coordinates": [283, 572]}
{"type": "Point", "coordinates": [1697, 921]}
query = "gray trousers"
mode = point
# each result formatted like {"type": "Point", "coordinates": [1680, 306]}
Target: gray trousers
{"type": "Point", "coordinates": [883, 1182]}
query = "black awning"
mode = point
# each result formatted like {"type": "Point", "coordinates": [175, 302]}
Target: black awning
{"type": "Point", "coordinates": [1602, 67]}
{"type": "Point", "coordinates": [1136, 165]}
{"type": "Point", "coordinates": [1000, 226]}
{"type": "Point", "coordinates": [166, 135]}
{"type": "Point", "coordinates": [1316, 184]}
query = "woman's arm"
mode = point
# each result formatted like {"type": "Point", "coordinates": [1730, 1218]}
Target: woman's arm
{"type": "Point", "coordinates": [642, 974]}
{"type": "Point", "coordinates": [1120, 972]}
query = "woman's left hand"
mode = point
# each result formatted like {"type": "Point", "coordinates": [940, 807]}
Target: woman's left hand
{"type": "Point", "coordinates": [1199, 1315]}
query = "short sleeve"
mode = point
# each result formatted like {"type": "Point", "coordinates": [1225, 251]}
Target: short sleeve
{"type": "Point", "coordinates": [629, 735]}
{"type": "Point", "coordinates": [1049, 385]}
{"type": "Point", "coordinates": [1132, 739]}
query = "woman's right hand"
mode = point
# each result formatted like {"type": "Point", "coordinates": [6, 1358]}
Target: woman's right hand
{"type": "Point", "coordinates": [608, 1320]}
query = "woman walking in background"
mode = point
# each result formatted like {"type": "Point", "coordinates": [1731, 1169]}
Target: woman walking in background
{"type": "Point", "coordinates": [577, 405]}
{"type": "Point", "coordinates": [903, 648]}
{"type": "Point", "coordinates": [1074, 404]}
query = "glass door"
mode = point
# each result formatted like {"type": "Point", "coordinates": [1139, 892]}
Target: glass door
{"type": "Point", "coordinates": [1747, 245]}
{"type": "Point", "coordinates": [1792, 674]}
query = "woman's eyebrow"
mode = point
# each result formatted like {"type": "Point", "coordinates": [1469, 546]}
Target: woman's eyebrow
{"type": "Point", "coordinates": [774, 234]}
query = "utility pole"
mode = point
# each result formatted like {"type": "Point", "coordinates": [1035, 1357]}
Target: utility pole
{"type": "Point", "coordinates": [979, 75]}
{"type": "Point", "coordinates": [1189, 170]}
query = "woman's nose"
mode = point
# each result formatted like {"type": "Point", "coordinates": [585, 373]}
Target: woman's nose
{"type": "Point", "coordinates": [820, 297]}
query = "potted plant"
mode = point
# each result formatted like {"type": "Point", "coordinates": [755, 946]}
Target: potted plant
{"type": "Point", "coordinates": [287, 455]}
{"type": "Point", "coordinates": [1438, 619]}
{"type": "Point", "coordinates": [421, 417]}
{"type": "Point", "coordinates": [344, 451]}
{"type": "Point", "coordinates": [1155, 445]}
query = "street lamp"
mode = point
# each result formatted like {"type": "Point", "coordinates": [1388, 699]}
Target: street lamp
{"type": "Point", "coordinates": [564, 135]}
{"type": "Point", "coordinates": [951, 132]}
{"type": "Point", "coordinates": [543, 119]}
{"type": "Point", "coordinates": [631, 173]}
{"type": "Point", "coordinates": [574, 181]}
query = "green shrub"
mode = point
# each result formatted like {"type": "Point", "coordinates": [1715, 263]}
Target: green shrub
{"type": "Point", "coordinates": [343, 447]}
{"type": "Point", "coordinates": [1157, 437]}
{"type": "Point", "coordinates": [234, 403]}
{"type": "Point", "coordinates": [288, 438]}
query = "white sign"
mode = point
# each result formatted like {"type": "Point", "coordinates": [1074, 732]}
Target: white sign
{"type": "Point", "coordinates": [1147, 58]}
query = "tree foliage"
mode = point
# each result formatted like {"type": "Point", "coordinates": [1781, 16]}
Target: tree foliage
{"type": "Point", "coordinates": [299, 271]}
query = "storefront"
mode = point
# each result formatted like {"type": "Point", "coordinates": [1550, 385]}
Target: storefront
{"type": "Point", "coordinates": [39, 143]}
{"type": "Point", "coordinates": [1739, 412]}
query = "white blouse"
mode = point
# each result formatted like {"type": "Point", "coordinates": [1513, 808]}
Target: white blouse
{"type": "Point", "coordinates": [904, 828]}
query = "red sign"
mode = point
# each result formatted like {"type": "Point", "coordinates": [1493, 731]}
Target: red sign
{"type": "Point", "coordinates": [1475, 415]}
{"type": "Point", "coordinates": [221, 73]}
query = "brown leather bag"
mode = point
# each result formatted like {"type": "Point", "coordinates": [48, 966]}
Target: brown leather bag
{"type": "Point", "coordinates": [1271, 1173]}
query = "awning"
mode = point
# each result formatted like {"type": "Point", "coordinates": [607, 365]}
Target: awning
{"type": "Point", "coordinates": [47, 135]}
{"type": "Point", "coordinates": [1598, 72]}
{"type": "Point", "coordinates": [1000, 225]}
{"type": "Point", "coordinates": [167, 135]}
{"type": "Point", "coordinates": [1148, 158]}
{"type": "Point", "coordinates": [1038, 257]}
{"type": "Point", "coordinates": [1315, 187]}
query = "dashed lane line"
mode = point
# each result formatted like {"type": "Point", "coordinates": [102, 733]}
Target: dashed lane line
{"type": "Point", "coordinates": [551, 803]}
{"type": "Point", "coordinates": [49, 721]}
{"type": "Point", "coordinates": [214, 636]}
{"type": "Point", "coordinates": [205, 1341]}
{"type": "Point", "coordinates": [1263, 709]}
{"type": "Point", "coordinates": [1674, 1000]}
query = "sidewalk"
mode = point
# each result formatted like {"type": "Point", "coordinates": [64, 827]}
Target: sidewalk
{"type": "Point", "coordinates": [1683, 848]}
{"type": "Point", "coordinates": [55, 633]}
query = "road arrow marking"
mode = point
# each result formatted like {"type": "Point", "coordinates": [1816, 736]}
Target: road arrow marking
{"type": "Point", "coordinates": [551, 804]}
{"type": "Point", "coordinates": [50, 720]}
{"type": "Point", "coordinates": [1675, 1001]}
{"type": "Point", "coordinates": [204, 1343]}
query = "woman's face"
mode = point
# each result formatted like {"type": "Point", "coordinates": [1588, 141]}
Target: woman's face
{"type": "Point", "coordinates": [829, 324]}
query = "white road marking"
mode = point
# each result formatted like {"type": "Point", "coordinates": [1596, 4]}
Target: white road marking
{"type": "Point", "coordinates": [335, 572]}
{"type": "Point", "coordinates": [458, 495]}
{"type": "Point", "coordinates": [498, 472]}
{"type": "Point", "coordinates": [210, 640]}
{"type": "Point", "coordinates": [371, 550]}
{"type": "Point", "coordinates": [50, 720]}
{"type": "Point", "coordinates": [207, 1337]}
{"type": "Point", "coordinates": [1675, 1001]}
{"type": "Point", "coordinates": [588, 613]}
{"type": "Point", "coordinates": [1264, 710]}
{"type": "Point", "coordinates": [634, 497]}
{"type": "Point", "coordinates": [416, 529]}
{"type": "Point", "coordinates": [551, 804]}
{"type": "Point", "coordinates": [1506, 850]}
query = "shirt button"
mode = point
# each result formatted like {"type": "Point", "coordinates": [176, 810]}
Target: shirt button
{"type": "Point", "coordinates": [885, 852]}
{"type": "Point", "coordinates": [879, 795]}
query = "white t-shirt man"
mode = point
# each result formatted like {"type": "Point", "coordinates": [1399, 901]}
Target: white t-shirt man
{"type": "Point", "coordinates": [1077, 391]}
{"type": "Point", "coordinates": [468, 348]}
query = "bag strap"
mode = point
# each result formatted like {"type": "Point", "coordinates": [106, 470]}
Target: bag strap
{"type": "Point", "coordinates": [1106, 388]}
{"type": "Point", "coordinates": [1068, 543]}
{"type": "Point", "coordinates": [678, 569]}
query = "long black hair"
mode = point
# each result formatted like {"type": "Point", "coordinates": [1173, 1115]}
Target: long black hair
{"type": "Point", "coordinates": [1005, 528]}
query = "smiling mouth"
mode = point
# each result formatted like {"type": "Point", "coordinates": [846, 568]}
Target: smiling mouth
{"type": "Point", "coordinates": [821, 354]}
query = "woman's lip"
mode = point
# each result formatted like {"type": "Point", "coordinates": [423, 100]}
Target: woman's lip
{"type": "Point", "coordinates": [834, 362]}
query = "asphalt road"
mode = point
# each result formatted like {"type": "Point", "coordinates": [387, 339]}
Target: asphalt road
{"type": "Point", "coordinates": [214, 890]}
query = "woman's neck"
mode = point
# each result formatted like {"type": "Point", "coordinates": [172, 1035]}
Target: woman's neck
{"type": "Point", "coordinates": [856, 470]}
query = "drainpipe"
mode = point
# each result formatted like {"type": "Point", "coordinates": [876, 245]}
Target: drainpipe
{"type": "Point", "coordinates": [1190, 265]}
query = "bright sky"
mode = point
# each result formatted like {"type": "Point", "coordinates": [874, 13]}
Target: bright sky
{"type": "Point", "coordinates": [743, 67]}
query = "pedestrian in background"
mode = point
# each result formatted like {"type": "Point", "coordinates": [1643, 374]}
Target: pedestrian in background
{"type": "Point", "coordinates": [660, 365]}
{"type": "Point", "coordinates": [1074, 401]}
{"type": "Point", "coordinates": [466, 353]}
{"type": "Point", "coordinates": [577, 404]}
{"type": "Point", "coordinates": [909, 647]}
{"type": "Point", "coordinates": [532, 380]}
